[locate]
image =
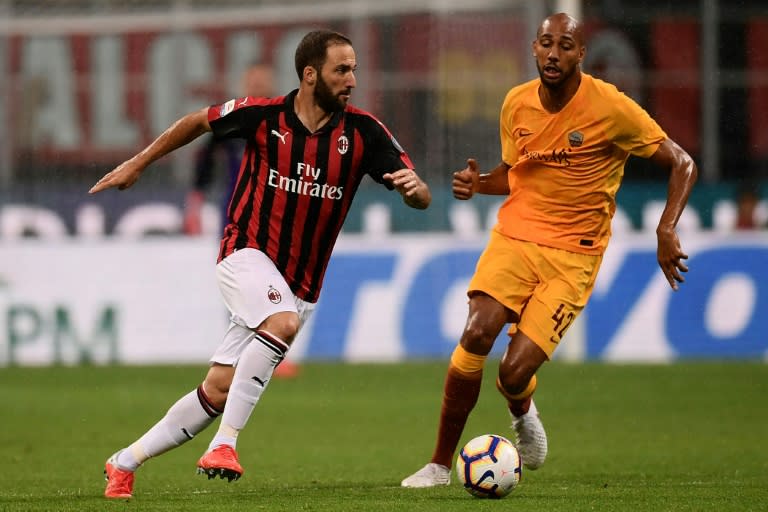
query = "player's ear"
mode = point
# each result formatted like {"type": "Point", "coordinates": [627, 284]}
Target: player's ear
{"type": "Point", "coordinates": [310, 74]}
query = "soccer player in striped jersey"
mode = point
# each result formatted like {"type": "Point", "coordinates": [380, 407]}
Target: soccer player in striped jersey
{"type": "Point", "coordinates": [256, 81]}
{"type": "Point", "coordinates": [565, 138]}
{"type": "Point", "coordinates": [306, 154]}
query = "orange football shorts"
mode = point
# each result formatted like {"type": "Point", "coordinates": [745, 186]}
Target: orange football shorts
{"type": "Point", "coordinates": [546, 287]}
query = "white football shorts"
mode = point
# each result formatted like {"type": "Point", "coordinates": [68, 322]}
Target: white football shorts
{"type": "Point", "coordinates": [253, 290]}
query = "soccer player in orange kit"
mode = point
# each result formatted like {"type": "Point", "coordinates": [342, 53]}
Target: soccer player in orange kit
{"type": "Point", "coordinates": [565, 138]}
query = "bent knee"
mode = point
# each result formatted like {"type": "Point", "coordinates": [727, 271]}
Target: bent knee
{"type": "Point", "coordinates": [515, 379]}
{"type": "Point", "coordinates": [284, 326]}
{"type": "Point", "coordinates": [216, 397]}
{"type": "Point", "coordinates": [520, 362]}
{"type": "Point", "coordinates": [478, 338]}
{"type": "Point", "coordinates": [216, 384]}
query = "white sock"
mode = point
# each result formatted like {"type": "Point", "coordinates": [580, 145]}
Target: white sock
{"type": "Point", "coordinates": [252, 374]}
{"type": "Point", "coordinates": [189, 416]}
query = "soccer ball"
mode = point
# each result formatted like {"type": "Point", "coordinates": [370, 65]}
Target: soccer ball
{"type": "Point", "coordinates": [489, 466]}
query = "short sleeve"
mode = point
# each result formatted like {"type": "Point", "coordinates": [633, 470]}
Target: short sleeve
{"type": "Point", "coordinates": [509, 153]}
{"type": "Point", "coordinates": [384, 152]}
{"type": "Point", "coordinates": [635, 131]}
{"type": "Point", "coordinates": [234, 119]}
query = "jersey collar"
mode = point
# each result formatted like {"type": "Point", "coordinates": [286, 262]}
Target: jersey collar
{"type": "Point", "coordinates": [294, 122]}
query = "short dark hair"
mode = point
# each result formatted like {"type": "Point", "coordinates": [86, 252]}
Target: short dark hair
{"type": "Point", "coordinates": [312, 49]}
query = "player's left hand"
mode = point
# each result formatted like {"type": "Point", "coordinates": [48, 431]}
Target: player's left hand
{"type": "Point", "coordinates": [415, 192]}
{"type": "Point", "coordinates": [669, 254]}
{"type": "Point", "coordinates": [406, 181]}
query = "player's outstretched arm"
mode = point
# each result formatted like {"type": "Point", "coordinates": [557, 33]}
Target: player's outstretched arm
{"type": "Point", "coordinates": [469, 181]}
{"type": "Point", "coordinates": [414, 190]}
{"type": "Point", "coordinates": [682, 175]}
{"type": "Point", "coordinates": [182, 132]}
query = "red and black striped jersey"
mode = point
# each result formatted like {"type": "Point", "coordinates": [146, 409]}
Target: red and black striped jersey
{"type": "Point", "coordinates": [294, 187]}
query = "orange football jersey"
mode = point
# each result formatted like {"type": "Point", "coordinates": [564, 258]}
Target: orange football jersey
{"type": "Point", "coordinates": [567, 167]}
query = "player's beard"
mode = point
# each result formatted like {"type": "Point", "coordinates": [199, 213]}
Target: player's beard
{"type": "Point", "coordinates": [559, 83]}
{"type": "Point", "coordinates": [325, 98]}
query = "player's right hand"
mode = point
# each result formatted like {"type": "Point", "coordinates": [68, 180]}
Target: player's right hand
{"type": "Point", "coordinates": [465, 181]}
{"type": "Point", "coordinates": [122, 177]}
{"type": "Point", "coordinates": [670, 256]}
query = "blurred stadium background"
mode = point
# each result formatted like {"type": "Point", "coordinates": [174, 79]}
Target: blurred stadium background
{"type": "Point", "coordinates": [112, 278]}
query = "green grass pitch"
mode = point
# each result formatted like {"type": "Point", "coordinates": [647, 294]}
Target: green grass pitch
{"type": "Point", "coordinates": [340, 437]}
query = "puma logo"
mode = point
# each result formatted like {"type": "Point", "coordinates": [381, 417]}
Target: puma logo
{"type": "Point", "coordinates": [279, 136]}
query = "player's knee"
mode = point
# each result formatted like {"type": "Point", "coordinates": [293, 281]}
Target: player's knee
{"type": "Point", "coordinates": [217, 396]}
{"type": "Point", "coordinates": [291, 328]}
{"type": "Point", "coordinates": [284, 326]}
{"type": "Point", "coordinates": [477, 338]}
{"type": "Point", "coordinates": [216, 385]}
{"type": "Point", "coordinates": [514, 379]}
{"type": "Point", "coordinates": [519, 365]}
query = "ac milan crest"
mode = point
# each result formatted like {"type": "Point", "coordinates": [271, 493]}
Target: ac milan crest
{"type": "Point", "coordinates": [342, 144]}
{"type": "Point", "coordinates": [274, 296]}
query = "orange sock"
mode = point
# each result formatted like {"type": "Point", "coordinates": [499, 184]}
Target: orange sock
{"type": "Point", "coordinates": [459, 398]}
{"type": "Point", "coordinates": [519, 403]}
{"type": "Point", "coordinates": [460, 393]}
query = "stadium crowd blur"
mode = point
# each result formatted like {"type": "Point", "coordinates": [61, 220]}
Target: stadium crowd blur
{"type": "Point", "coordinates": [81, 100]}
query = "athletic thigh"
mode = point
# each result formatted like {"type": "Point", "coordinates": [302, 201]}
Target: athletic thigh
{"type": "Point", "coordinates": [565, 284]}
{"type": "Point", "coordinates": [485, 321]}
{"type": "Point", "coordinates": [506, 273]}
{"type": "Point", "coordinates": [544, 288]}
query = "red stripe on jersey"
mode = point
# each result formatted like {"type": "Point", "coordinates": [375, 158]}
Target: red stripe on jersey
{"type": "Point", "coordinates": [255, 194]}
{"type": "Point", "coordinates": [247, 193]}
{"type": "Point", "coordinates": [319, 257]}
{"type": "Point", "coordinates": [301, 219]}
{"type": "Point", "coordinates": [284, 140]}
{"type": "Point", "coordinates": [228, 243]}
{"type": "Point", "coordinates": [350, 185]}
